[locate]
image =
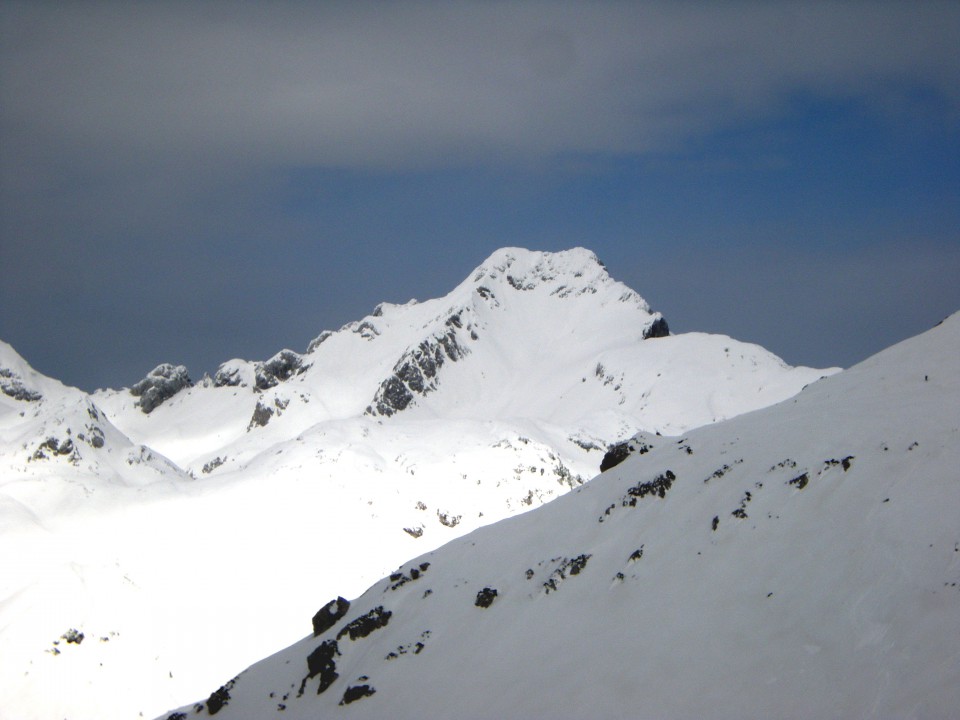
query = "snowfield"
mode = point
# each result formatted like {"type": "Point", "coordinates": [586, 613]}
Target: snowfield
{"type": "Point", "coordinates": [798, 561]}
{"type": "Point", "coordinates": [157, 540]}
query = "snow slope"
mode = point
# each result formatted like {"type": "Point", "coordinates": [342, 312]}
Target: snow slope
{"type": "Point", "coordinates": [158, 534]}
{"type": "Point", "coordinates": [799, 561]}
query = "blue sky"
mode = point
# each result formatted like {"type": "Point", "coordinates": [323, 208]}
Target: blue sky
{"type": "Point", "coordinates": [184, 182]}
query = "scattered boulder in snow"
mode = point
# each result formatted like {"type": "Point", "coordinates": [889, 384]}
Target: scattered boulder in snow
{"type": "Point", "coordinates": [55, 447]}
{"type": "Point", "coordinates": [448, 519]}
{"type": "Point", "coordinates": [620, 452]}
{"type": "Point", "coordinates": [209, 467]}
{"type": "Point", "coordinates": [366, 624]}
{"type": "Point", "coordinates": [73, 636]}
{"type": "Point", "coordinates": [658, 486]}
{"type": "Point", "coordinates": [161, 384]}
{"type": "Point", "coordinates": [567, 566]}
{"type": "Point", "coordinates": [486, 597]}
{"type": "Point", "coordinates": [219, 698]}
{"type": "Point", "coordinates": [800, 481]}
{"type": "Point", "coordinates": [328, 615]}
{"type": "Point", "coordinates": [355, 692]}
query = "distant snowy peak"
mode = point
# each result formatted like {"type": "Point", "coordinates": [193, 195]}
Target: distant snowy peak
{"type": "Point", "coordinates": [19, 381]}
{"type": "Point", "coordinates": [564, 273]}
{"type": "Point", "coordinates": [515, 298]}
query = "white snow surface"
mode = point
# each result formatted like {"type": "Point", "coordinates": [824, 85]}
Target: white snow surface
{"type": "Point", "coordinates": [798, 561]}
{"type": "Point", "coordinates": [188, 542]}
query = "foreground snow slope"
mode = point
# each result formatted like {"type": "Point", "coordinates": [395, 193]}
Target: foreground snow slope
{"type": "Point", "coordinates": [189, 541]}
{"type": "Point", "coordinates": [798, 561]}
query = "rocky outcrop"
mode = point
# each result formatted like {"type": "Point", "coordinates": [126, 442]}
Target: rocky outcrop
{"type": "Point", "coordinates": [12, 386]}
{"type": "Point", "coordinates": [161, 384]}
{"type": "Point", "coordinates": [415, 373]}
{"type": "Point", "coordinates": [658, 328]}
{"type": "Point", "coordinates": [328, 615]}
{"type": "Point", "coordinates": [262, 375]}
{"type": "Point", "coordinates": [620, 452]}
{"type": "Point", "coordinates": [282, 366]}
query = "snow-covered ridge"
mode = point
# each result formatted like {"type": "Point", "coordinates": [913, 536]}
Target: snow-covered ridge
{"type": "Point", "coordinates": [801, 560]}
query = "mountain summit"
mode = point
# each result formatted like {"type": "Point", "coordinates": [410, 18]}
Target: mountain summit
{"type": "Point", "coordinates": [185, 526]}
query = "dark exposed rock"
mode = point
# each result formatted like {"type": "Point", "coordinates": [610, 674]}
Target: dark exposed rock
{"type": "Point", "coordinates": [73, 636]}
{"type": "Point", "coordinates": [741, 512]}
{"type": "Point", "coordinates": [12, 386]}
{"type": "Point", "coordinates": [282, 366]}
{"type": "Point", "coordinates": [261, 416]}
{"type": "Point", "coordinates": [366, 624]}
{"type": "Point", "coordinates": [177, 716]}
{"type": "Point", "coordinates": [657, 329]}
{"type": "Point", "coordinates": [318, 341]}
{"type": "Point", "coordinates": [52, 447]}
{"type": "Point", "coordinates": [619, 452]}
{"type": "Point", "coordinates": [355, 692]}
{"type": "Point", "coordinates": [486, 597]}
{"type": "Point", "coordinates": [218, 698]}
{"type": "Point", "coordinates": [321, 662]}
{"type": "Point", "coordinates": [161, 384]}
{"type": "Point", "coordinates": [366, 330]}
{"type": "Point", "coordinates": [329, 614]}
{"type": "Point", "coordinates": [415, 373]}
{"type": "Point", "coordinates": [658, 486]}
{"type": "Point", "coordinates": [448, 519]}
{"type": "Point", "coordinates": [571, 566]}
{"type": "Point", "coordinates": [414, 532]}
{"type": "Point", "coordinates": [800, 481]}
{"type": "Point", "coordinates": [399, 579]}
{"type": "Point", "coordinates": [227, 375]}
{"type": "Point", "coordinates": [845, 462]}
{"type": "Point", "coordinates": [213, 465]}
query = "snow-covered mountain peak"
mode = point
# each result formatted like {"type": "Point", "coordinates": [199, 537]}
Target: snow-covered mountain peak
{"type": "Point", "coordinates": [20, 382]}
{"type": "Point", "coordinates": [576, 271]}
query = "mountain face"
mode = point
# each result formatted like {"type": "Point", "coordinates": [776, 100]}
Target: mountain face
{"type": "Point", "coordinates": [799, 561]}
{"type": "Point", "coordinates": [159, 538]}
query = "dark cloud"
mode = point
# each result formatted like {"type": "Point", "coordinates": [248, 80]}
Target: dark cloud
{"type": "Point", "coordinates": [404, 84]}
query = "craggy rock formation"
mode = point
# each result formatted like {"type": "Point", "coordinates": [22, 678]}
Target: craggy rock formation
{"type": "Point", "coordinates": [161, 384]}
{"type": "Point", "coordinates": [366, 624]}
{"type": "Point", "coordinates": [321, 662]}
{"type": "Point", "coordinates": [12, 385]}
{"type": "Point", "coordinates": [328, 615]}
{"type": "Point", "coordinates": [280, 367]}
{"type": "Point", "coordinates": [415, 373]}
